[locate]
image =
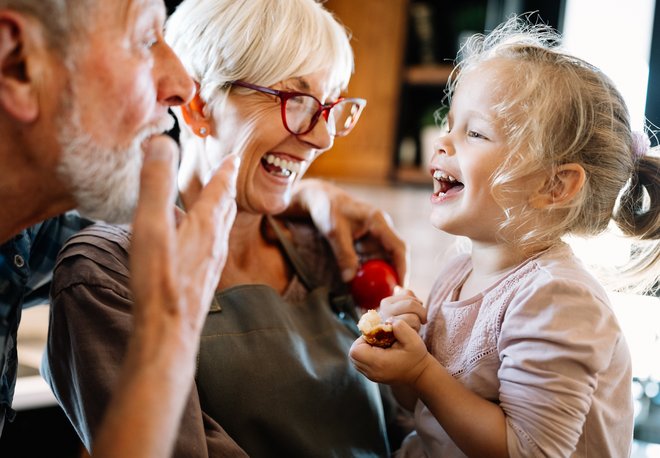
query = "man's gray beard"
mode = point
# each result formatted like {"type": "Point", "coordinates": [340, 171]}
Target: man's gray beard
{"type": "Point", "coordinates": [105, 183]}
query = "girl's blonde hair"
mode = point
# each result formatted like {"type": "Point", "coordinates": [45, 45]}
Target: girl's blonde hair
{"type": "Point", "coordinates": [559, 109]}
{"type": "Point", "coordinates": [259, 41]}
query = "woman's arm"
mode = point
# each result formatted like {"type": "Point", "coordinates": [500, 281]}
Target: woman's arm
{"type": "Point", "coordinates": [345, 220]}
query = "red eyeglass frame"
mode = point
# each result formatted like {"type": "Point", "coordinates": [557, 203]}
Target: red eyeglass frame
{"type": "Point", "coordinates": [324, 108]}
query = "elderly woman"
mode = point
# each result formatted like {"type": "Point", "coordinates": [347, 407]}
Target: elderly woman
{"type": "Point", "coordinates": [273, 378]}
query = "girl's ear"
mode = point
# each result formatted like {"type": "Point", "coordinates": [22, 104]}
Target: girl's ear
{"type": "Point", "coordinates": [193, 115]}
{"type": "Point", "coordinates": [560, 188]}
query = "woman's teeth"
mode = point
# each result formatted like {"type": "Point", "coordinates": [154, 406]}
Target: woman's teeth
{"type": "Point", "coordinates": [286, 167]}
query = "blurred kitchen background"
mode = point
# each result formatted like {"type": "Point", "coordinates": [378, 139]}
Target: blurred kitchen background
{"type": "Point", "coordinates": [404, 52]}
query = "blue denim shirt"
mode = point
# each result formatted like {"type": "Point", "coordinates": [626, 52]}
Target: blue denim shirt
{"type": "Point", "coordinates": [26, 264]}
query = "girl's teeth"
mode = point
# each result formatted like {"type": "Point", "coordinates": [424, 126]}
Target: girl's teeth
{"type": "Point", "coordinates": [438, 175]}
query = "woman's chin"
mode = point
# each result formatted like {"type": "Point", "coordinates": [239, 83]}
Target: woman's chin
{"type": "Point", "coordinates": [271, 207]}
{"type": "Point", "coordinates": [277, 209]}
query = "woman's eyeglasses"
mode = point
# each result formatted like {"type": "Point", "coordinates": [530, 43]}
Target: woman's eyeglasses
{"type": "Point", "coordinates": [301, 112]}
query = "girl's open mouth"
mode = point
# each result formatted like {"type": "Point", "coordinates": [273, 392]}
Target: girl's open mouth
{"type": "Point", "coordinates": [444, 184]}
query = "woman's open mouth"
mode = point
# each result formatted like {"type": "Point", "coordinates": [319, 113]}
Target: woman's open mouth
{"type": "Point", "coordinates": [280, 166]}
{"type": "Point", "coordinates": [444, 184]}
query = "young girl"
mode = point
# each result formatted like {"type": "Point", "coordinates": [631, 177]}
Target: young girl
{"type": "Point", "coordinates": [522, 354]}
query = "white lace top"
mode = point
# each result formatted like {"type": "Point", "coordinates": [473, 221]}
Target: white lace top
{"type": "Point", "coordinates": [544, 344]}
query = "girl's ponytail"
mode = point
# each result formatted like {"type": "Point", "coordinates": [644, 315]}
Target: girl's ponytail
{"type": "Point", "coordinates": [638, 216]}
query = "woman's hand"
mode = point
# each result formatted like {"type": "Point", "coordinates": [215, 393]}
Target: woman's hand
{"type": "Point", "coordinates": [350, 226]}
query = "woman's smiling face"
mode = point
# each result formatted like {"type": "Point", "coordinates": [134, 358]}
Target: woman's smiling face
{"type": "Point", "coordinates": [272, 159]}
{"type": "Point", "coordinates": [467, 156]}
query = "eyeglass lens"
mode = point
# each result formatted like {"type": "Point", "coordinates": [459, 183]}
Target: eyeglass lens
{"type": "Point", "coordinates": [301, 109]}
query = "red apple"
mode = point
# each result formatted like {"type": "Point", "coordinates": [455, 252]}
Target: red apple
{"type": "Point", "coordinates": [375, 280]}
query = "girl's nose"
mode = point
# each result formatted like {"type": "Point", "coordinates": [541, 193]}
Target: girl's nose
{"type": "Point", "coordinates": [441, 145]}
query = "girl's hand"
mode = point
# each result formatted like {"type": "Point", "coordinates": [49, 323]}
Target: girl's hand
{"type": "Point", "coordinates": [404, 305]}
{"type": "Point", "coordinates": [401, 364]}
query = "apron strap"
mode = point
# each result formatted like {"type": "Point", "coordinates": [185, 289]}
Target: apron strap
{"type": "Point", "coordinates": [303, 272]}
{"type": "Point", "coordinates": [341, 304]}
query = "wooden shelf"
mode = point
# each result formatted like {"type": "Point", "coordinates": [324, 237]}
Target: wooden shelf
{"type": "Point", "coordinates": [436, 74]}
{"type": "Point", "coordinates": [378, 45]}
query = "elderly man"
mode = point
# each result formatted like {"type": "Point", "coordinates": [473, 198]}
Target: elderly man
{"type": "Point", "coordinates": [82, 85]}
{"type": "Point", "coordinates": [84, 90]}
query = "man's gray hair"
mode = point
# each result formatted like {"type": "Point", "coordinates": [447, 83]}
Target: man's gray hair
{"type": "Point", "coordinates": [61, 19]}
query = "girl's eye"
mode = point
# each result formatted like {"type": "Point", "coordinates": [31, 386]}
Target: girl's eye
{"type": "Point", "coordinates": [474, 134]}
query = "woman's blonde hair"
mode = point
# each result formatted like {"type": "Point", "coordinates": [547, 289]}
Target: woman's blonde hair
{"type": "Point", "coordinates": [259, 41]}
{"type": "Point", "coordinates": [559, 109]}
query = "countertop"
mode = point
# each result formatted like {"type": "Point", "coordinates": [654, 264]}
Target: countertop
{"type": "Point", "coordinates": [31, 390]}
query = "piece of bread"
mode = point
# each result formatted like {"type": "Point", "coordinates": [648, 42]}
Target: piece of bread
{"type": "Point", "coordinates": [374, 331]}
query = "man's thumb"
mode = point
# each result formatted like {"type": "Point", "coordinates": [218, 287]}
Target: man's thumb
{"type": "Point", "coordinates": [158, 177]}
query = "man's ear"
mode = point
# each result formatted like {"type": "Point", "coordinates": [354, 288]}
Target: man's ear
{"type": "Point", "coordinates": [193, 115]}
{"type": "Point", "coordinates": [560, 188]}
{"type": "Point", "coordinates": [17, 93]}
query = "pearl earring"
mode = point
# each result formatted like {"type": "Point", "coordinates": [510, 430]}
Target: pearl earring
{"type": "Point", "coordinates": [202, 131]}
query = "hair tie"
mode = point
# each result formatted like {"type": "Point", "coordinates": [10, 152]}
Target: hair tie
{"type": "Point", "coordinates": [640, 144]}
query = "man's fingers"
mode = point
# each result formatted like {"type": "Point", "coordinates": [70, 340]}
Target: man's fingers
{"type": "Point", "coordinates": [157, 181]}
{"type": "Point", "coordinates": [220, 190]}
{"type": "Point", "coordinates": [153, 223]}
{"type": "Point", "coordinates": [179, 215]}
{"type": "Point", "coordinates": [204, 234]}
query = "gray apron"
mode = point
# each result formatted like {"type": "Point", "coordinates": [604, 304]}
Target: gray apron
{"type": "Point", "coordinates": [277, 377]}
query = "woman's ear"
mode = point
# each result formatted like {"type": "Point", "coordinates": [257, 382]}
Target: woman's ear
{"type": "Point", "coordinates": [560, 188]}
{"type": "Point", "coordinates": [18, 45]}
{"type": "Point", "coordinates": [193, 115]}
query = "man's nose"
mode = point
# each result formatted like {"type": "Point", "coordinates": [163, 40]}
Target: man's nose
{"type": "Point", "coordinates": [175, 86]}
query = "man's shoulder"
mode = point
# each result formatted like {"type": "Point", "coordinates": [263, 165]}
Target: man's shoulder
{"type": "Point", "coordinates": [98, 242]}
{"type": "Point", "coordinates": [96, 255]}
{"type": "Point", "coordinates": [102, 234]}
